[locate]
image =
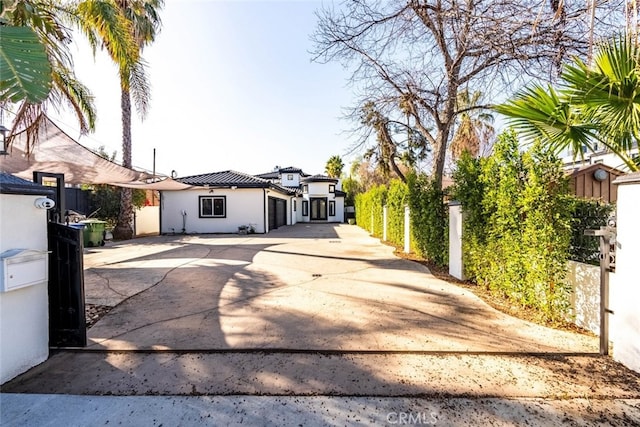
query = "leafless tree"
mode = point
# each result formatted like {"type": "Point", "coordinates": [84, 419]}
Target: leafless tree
{"type": "Point", "coordinates": [410, 59]}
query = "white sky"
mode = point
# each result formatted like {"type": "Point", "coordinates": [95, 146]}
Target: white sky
{"type": "Point", "coordinates": [233, 87]}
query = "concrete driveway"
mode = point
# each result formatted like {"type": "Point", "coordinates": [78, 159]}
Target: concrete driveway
{"type": "Point", "coordinates": [314, 325]}
{"type": "Point", "coordinates": [305, 287]}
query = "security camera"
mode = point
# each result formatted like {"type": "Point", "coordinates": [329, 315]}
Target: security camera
{"type": "Point", "coordinates": [44, 203]}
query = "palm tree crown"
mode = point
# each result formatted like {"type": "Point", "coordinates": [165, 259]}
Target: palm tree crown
{"type": "Point", "coordinates": [46, 19]}
{"type": "Point", "coordinates": [597, 103]}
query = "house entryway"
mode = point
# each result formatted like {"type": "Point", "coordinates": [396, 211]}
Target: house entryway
{"type": "Point", "coordinates": [318, 209]}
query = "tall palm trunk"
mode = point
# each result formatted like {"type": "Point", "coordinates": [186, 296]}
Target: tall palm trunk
{"type": "Point", "coordinates": [124, 227]}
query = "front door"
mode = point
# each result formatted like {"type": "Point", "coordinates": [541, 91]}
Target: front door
{"type": "Point", "coordinates": [319, 209]}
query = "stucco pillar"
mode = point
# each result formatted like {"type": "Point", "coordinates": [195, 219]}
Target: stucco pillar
{"type": "Point", "coordinates": [372, 222]}
{"type": "Point", "coordinates": [407, 230]}
{"type": "Point", "coordinates": [624, 290]}
{"type": "Point", "coordinates": [456, 217]}
{"type": "Point", "coordinates": [385, 215]}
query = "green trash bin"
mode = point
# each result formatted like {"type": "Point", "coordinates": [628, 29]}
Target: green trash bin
{"type": "Point", "coordinates": [93, 232]}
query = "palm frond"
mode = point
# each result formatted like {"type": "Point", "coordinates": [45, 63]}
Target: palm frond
{"type": "Point", "coordinates": [78, 97]}
{"type": "Point", "coordinates": [25, 71]}
{"type": "Point", "coordinates": [138, 84]}
{"type": "Point", "coordinates": [103, 20]}
{"type": "Point", "coordinates": [542, 113]}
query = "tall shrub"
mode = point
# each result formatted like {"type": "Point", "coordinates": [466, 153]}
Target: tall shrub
{"type": "Point", "coordinates": [396, 200]}
{"type": "Point", "coordinates": [469, 190]}
{"type": "Point", "coordinates": [546, 232]}
{"type": "Point", "coordinates": [428, 219]}
{"type": "Point", "coordinates": [517, 225]}
{"type": "Point", "coordinates": [501, 269]}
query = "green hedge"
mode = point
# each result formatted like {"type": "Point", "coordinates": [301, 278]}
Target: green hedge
{"type": "Point", "coordinates": [396, 201]}
{"type": "Point", "coordinates": [518, 224]}
{"type": "Point", "coordinates": [429, 219]}
{"type": "Point", "coordinates": [369, 209]}
{"type": "Point", "coordinates": [429, 237]}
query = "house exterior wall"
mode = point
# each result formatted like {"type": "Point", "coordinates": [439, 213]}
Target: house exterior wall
{"type": "Point", "coordinates": [339, 216]}
{"type": "Point", "coordinates": [294, 182]}
{"type": "Point", "coordinates": [244, 206]}
{"type": "Point", "coordinates": [321, 189]}
{"type": "Point", "coordinates": [24, 312]}
{"type": "Point", "coordinates": [583, 184]}
{"type": "Point", "coordinates": [293, 210]}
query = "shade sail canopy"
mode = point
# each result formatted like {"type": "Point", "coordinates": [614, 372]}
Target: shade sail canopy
{"type": "Point", "coordinates": [57, 152]}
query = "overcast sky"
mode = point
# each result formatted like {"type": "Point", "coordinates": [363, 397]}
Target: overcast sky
{"type": "Point", "coordinates": [233, 87]}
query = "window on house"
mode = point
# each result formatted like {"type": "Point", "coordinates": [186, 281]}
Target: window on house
{"type": "Point", "coordinates": [305, 208]}
{"type": "Point", "coordinates": [332, 188]}
{"type": "Point", "coordinates": [290, 177]}
{"type": "Point", "coordinates": [295, 205]}
{"type": "Point", "coordinates": [213, 206]}
{"type": "Point", "coordinates": [305, 188]}
{"type": "Point", "coordinates": [332, 208]}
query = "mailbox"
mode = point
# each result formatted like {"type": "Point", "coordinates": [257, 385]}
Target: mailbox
{"type": "Point", "coordinates": [23, 267]}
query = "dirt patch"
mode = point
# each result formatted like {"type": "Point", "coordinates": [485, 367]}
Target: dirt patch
{"type": "Point", "coordinates": [94, 312]}
{"type": "Point", "coordinates": [498, 302]}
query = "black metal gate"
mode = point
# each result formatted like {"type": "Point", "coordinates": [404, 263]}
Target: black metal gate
{"type": "Point", "coordinates": [67, 327]}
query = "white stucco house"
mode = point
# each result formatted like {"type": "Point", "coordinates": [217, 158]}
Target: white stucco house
{"type": "Point", "coordinates": [222, 202]}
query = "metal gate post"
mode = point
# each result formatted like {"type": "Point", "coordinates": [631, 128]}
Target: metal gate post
{"type": "Point", "coordinates": [607, 261]}
{"type": "Point", "coordinates": [604, 296]}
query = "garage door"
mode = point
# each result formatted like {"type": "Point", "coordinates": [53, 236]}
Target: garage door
{"type": "Point", "coordinates": [277, 213]}
{"type": "Point", "coordinates": [281, 212]}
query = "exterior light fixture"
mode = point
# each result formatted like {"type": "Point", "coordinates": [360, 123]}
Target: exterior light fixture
{"type": "Point", "coordinates": [600, 175]}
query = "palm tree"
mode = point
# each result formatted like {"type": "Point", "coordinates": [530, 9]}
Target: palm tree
{"type": "Point", "coordinates": [142, 20]}
{"type": "Point", "coordinates": [145, 22]}
{"type": "Point", "coordinates": [599, 103]}
{"type": "Point", "coordinates": [42, 22]}
{"type": "Point", "coordinates": [334, 166]}
{"type": "Point", "coordinates": [475, 128]}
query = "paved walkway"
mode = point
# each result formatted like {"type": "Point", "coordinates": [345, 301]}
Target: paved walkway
{"type": "Point", "coordinates": [311, 325]}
